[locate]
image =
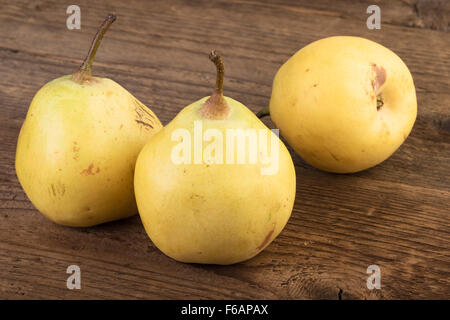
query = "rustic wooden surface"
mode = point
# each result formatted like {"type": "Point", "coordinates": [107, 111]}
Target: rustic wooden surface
{"type": "Point", "coordinates": [395, 215]}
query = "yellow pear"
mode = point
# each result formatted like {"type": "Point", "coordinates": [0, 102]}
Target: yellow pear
{"type": "Point", "coordinates": [210, 188]}
{"type": "Point", "coordinates": [344, 104]}
{"type": "Point", "coordinates": [77, 148]}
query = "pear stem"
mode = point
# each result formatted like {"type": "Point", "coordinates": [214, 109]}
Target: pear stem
{"type": "Point", "coordinates": [263, 112]}
{"type": "Point", "coordinates": [380, 102]}
{"type": "Point", "coordinates": [216, 107]}
{"type": "Point", "coordinates": [220, 67]}
{"type": "Point", "coordinates": [85, 70]}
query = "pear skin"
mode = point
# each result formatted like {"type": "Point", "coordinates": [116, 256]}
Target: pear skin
{"type": "Point", "coordinates": [212, 212]}
{"type": "Point", "coordinates": [77, 149]}
{"type": "Point", "coordinates": [344, 104]}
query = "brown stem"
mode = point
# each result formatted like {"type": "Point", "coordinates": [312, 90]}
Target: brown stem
{"type": "Point", "coordinates": [220, 67]}
{"type": "Point", "coordinates": [264, 112]}
{"type": "Point", "coordinates": [85, 70]}
{"type": "Point", "coordinates": [216, 107]}
{"type": "Point", "coordinates": [380, 102]}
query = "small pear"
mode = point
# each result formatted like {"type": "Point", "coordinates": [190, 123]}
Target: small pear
{"type": "Point", "coordinates": [210, 188]}
{"type": "Point", "coordinates": [78, 145]}
{"type": "Point", "coordinates": [344, 104]}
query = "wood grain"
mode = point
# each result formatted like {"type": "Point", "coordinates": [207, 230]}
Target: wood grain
{"type": "Point", "coordinates": [394, 215]}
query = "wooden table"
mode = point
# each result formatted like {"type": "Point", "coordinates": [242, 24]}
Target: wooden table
{"type": "Point", "coordinates": [395, 215]}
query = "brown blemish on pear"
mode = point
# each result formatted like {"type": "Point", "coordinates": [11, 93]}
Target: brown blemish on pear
{"type": "Point", "coordinates": [89, 171]}
{"type": "Point", "coordinates": [266, 239]}
{"type": "Point", "coordinates": [144, 118]}
{"type": "Point", "coordinates": [62, 189]}
{"type": "Point", "coordinates": [140, 108]}
{"type": "Point", "coordinates": [75, 150]}
{"type": "Point", "coordinates": [334, 156]}
{"type": "Point", "coordinates": [378, 80]}
{"type": "Point", "coordinates": [216, 108]}
{"type": "Point", "coordinates": [53, 190]}
{"type": "Point", "coordinates": [145, 124]}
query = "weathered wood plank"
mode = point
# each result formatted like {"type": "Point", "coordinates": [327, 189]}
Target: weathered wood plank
{"type": "Point", "coordinates": [394, 215]}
